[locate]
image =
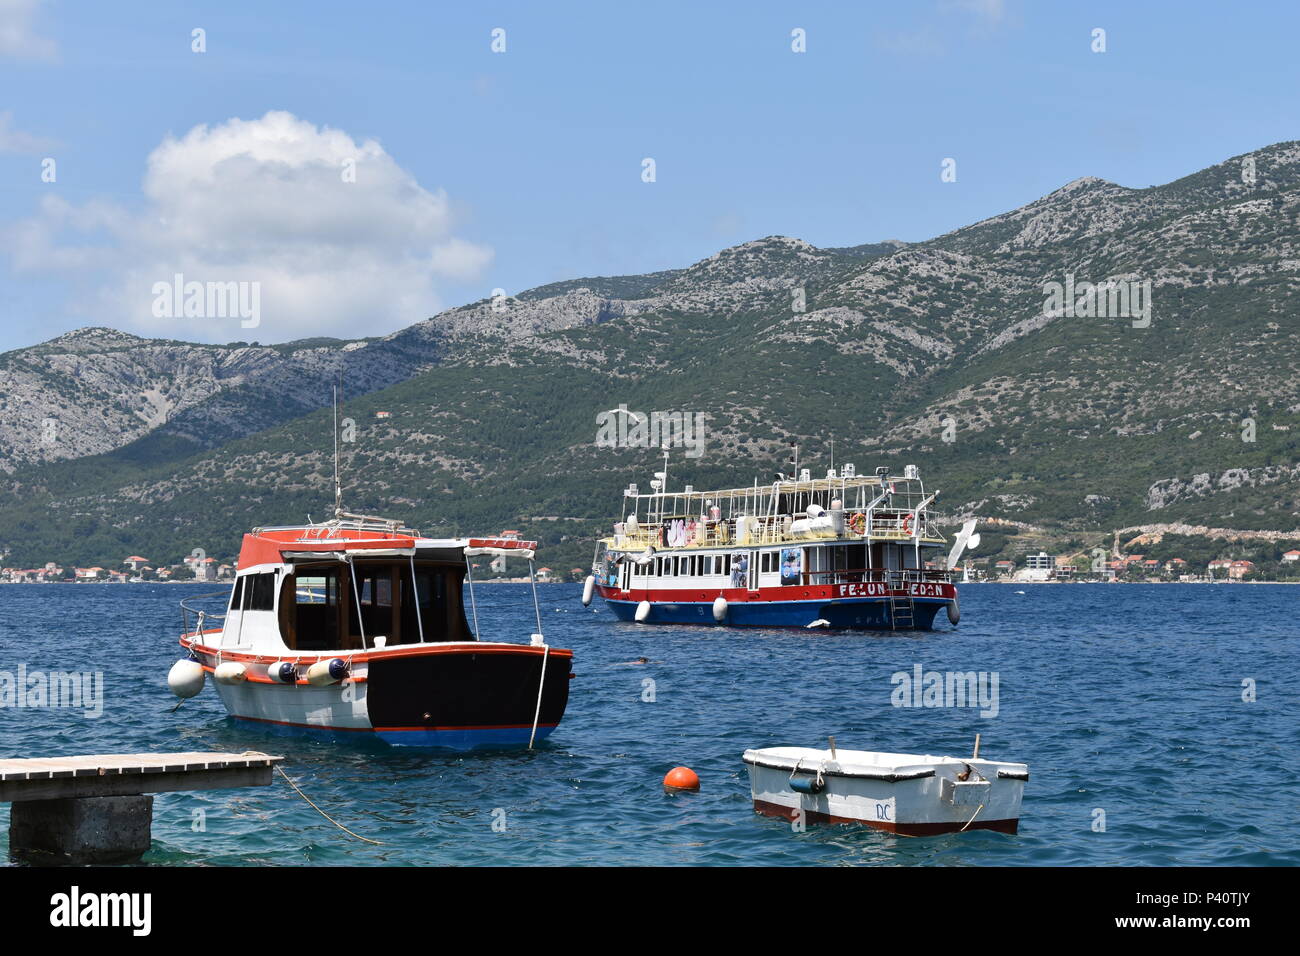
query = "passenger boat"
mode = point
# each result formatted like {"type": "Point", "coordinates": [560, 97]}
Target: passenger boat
{"type": "Point", "coordinates": [907, 794]}
{"type": "Point", "coordinates": [843, 551]}
{"type": "Point", "coordinates": [356, 627]}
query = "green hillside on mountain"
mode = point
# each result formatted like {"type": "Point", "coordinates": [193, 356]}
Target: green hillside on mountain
{"type": "Point", "coordinates": [939, 353]}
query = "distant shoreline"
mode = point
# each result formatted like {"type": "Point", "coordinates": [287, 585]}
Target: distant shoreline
{"type": "Point", "coordinates": [1126, 582]}
{"type": "Point", "coordinates": [230, 582]}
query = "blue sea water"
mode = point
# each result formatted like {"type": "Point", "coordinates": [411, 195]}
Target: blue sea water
{"type": "Point", "coordinates": [1126, 699]}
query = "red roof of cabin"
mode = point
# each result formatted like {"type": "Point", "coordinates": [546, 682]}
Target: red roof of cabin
{"type": "Point", "coordinates": [268, 546]}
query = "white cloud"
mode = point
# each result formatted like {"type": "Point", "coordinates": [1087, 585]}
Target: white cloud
{"type": "Point", "coordinates": [273, 201]}
{"type": "Point", "coordinates": [992, 11]}
{"type": "Point", "coordinates": [17, 141]}
{"type": "Point", "coordinates": [460, 259]}
{"type": "Point", "coordinates": [944, 25]}
{"type": "Point", "coordinates": [18, 38]}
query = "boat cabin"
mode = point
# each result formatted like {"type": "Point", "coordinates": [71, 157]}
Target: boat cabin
{"type": "Point", "coordinates": [352, 589]}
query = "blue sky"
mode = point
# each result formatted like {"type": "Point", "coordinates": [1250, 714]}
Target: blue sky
{"type": "Point", "coordinates": [524, 167]}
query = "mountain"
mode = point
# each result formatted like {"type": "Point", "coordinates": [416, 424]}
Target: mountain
{"type": "Point", "coordinates": [951, 353]}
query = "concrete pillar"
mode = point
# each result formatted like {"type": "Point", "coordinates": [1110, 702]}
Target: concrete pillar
{"type": "Point", "coordinates": [81, 830]}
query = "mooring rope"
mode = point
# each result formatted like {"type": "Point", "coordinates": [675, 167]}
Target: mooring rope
{"type": "Point", "coordinates": [541, 685]}
{"type": "Point", "coordinates": [298, 790]}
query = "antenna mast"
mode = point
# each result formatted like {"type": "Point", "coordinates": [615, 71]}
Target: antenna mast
{"type": "Point", "coordinates": [338, 491]}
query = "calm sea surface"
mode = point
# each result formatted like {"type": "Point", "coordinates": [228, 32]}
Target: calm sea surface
{"type": "Point", "coordinates": [1125, 699]}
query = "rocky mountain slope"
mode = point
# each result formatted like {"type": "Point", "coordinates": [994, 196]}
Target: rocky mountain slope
{"type": "Point", "coordinates": [945, 353]}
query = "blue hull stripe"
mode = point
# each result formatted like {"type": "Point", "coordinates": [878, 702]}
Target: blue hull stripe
{"type": "Point", "coordinates": [450, 739]}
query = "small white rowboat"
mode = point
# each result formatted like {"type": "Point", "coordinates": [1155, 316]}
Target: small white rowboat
{"type": "Point", "coordinates": [907, 794]}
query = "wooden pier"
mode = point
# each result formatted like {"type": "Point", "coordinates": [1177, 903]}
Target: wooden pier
{"type": "Point", "coordinates": [96, 808]}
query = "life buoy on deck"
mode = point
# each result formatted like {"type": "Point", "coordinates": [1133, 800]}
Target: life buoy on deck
{"type": "Point", "coordinates": [907, 524]}
{"type": "Point", "coordinates": [858, 523]}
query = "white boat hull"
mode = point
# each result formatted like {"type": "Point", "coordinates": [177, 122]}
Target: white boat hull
{"type": "Point", "coordinates": [907, 794]}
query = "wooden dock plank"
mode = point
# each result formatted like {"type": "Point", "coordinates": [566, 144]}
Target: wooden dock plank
{"type": "Point", "coordinates": [31, 778]}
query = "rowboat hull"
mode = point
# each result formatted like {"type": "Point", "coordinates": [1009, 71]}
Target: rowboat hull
{"type": "Point", "coordinates": [905, 794]}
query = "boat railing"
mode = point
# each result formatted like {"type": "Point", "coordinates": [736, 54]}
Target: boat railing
{"type": "Point", "coordinates": [894, 578]}
{"type": "Point", "coordinates": [768, 531]}
{"type": "Point", "coordinates": [201, 615]}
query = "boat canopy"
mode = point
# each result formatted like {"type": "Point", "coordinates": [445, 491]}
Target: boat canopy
{"type": "Point", "coordinates": [337, 542]}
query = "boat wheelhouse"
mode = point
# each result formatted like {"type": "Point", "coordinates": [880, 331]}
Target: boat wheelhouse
{"type": "Point", "coordinates": [358, 626]}
{"type": "Point", "coordinates": [842, 551]}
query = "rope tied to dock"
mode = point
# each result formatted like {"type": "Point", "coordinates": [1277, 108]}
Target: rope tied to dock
{"type": "Point", "coordinates": [298, 790]}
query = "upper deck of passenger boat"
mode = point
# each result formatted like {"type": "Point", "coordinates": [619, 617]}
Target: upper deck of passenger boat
{"type": "Point", "coordinates": [839, 506]}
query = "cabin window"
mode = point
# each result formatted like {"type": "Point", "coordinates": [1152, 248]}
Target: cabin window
{"type": "Point", "coordinates": [237, 595]}
{"type": "Point", "coordinates": [315, 622]}
{"type": "Point", "coordinates": [431, 593]}
{"type": "Point", "coordinates": [261, 588]}
{"type": "Point", "coordinates": [374, 587]}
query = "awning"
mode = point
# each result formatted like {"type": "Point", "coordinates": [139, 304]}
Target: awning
{"type": "Point", "coordinates": [527, 553]}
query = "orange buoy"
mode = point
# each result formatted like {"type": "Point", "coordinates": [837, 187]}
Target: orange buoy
{"type": "Point", "coordinates": [682, 778]}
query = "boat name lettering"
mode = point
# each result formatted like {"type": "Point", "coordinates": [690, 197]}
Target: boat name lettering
{"type": "Point", "coordinates": [865, 589]}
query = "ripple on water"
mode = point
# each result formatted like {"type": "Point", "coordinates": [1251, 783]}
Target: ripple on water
{"type": "Point", "coordinates": [1124, 701]}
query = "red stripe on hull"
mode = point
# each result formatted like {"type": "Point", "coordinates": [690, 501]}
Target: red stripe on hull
{"type": "Point", "coordinates": [403, 650]}
{"type": "Point", "coordinates": [900, 829]}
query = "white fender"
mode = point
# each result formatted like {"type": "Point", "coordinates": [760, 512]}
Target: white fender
{"type": "Point", "coordinates": [186, 678]}
{"type": "Point", "coordinates": [327, 672]}
{"type": "Point", "coordinates": [588, 589]}
{"type": "Point", "coordinates": [642, 612]}
{"type": "Point", "coordinates": [954, 609]}
{"type": "Point", "coordinates": [719, 609]}
{"type": "Point", "coordinates": [230, 672]}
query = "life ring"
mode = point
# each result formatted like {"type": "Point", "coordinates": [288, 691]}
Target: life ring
{"type": "Point", "coordinates": [858, 523]}
{"type": "Point", "coordinates": [907, 525]}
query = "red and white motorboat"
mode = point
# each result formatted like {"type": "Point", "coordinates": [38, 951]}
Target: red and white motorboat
{"type": "Point", "coordinates": [357, 628]}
